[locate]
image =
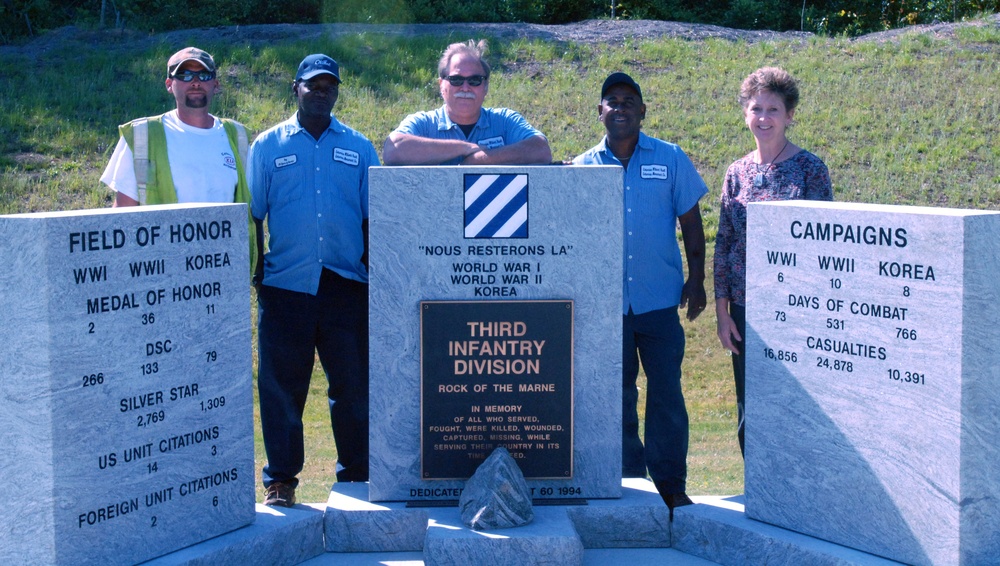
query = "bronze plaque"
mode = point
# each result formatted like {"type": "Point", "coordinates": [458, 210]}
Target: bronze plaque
{"type": "Point", "coordinates": [496, 373]}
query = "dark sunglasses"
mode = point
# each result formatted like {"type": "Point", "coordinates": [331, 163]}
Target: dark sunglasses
{"type": "Point", "coordinates": [188, 75]}
{"type": "Point", "coordinates": [457, 80]}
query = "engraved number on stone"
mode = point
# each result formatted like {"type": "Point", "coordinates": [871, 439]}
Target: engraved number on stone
{"type": "Point", "coordinates": [779, 316]}
{"type": "Point", "coordinates": [906, 291]}
{"type": "Point", "coordinates": [151, 467]}
{"type": "Point", "coordinates": [210, 309]}
{"type": "Point", "coordinates": [150, 418]}
{"type": "Point", "coordinates": [215, 501]}
{"type": "Point", "coordinates": [906, 377]}
{"type": "Point", "coordinates": [211, 356]}
{"type": "Point", "coordinates": [835, 283]}
{"type": "Point", "coordinates": [93, 379]}
{"type": "Point", "coordinates": [150, 368]}
{"type": "Point", "coordinates": [214, 403]}
{"type": "Point", "coordinates": [906, 333]}
{"type": "Point", "coordinates": [148, 318]}
{"type": "Point", "coordinates": [781, 355]}
{"type": "Point", "coordinates": [90, 328]}
{"type": "Point", "coordinates": [835, 323]}
{"type": "Point", "coordinates": [781, 277]}
{"type": "Point", "coordinates": [215, 450]}
{"type": "Point", "coordinates": [835, 365]}
{"type": "Point", "coordinates": [154, 521]}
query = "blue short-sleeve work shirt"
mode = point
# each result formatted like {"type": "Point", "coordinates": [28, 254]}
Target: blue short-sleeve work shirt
{"type": "Point", "coordinates": [661, 184]}
{"type": "Point", "coordinates": [314, 195]}
{"type": "Point", "coordinates": [495, 128]}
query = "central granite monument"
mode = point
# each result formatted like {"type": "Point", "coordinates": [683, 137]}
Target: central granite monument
{"type": "Point", "coordinates": [495, 321]}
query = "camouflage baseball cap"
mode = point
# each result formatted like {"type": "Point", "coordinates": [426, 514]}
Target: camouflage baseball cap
{"type": "Point", "coordinates": [190, 54]}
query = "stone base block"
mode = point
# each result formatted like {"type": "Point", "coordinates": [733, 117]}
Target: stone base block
{"type": "Point", "coordinates": [717, 529]}
{"type": "Point", "coordinates": [549, 540]}
{"type": "Point", "coordinates": [367, 559]}
{"type": "Point", "coordinates": [278, 537]}
{"type": "Point", "coordinates": [591, 557]}
{"type": "Point", "coordinates": [641, 557]}
{"type": "Point", "coordinates": [353, 524]}
{"type": "Point", "coordinates": [638, 520]}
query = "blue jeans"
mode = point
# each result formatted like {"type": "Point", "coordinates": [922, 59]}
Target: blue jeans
{"type": "Point", "coordinates": [292, 328]}
{"type": "Point", "coordinates": [657, 338]}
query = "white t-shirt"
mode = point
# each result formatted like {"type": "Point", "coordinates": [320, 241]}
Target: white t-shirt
{"type": "Point", "coordinates": [201, 163]}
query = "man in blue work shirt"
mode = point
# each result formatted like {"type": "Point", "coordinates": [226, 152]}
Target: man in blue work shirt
{"type": "Point", "coordinates": [462, 132]}
{"type": "Point", "coordinates": [308, 178]}
{"type": "Point", "coordinates": [662, 187]}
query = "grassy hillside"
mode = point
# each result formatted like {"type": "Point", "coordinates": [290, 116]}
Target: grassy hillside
{"type": "Point", "coordinates": [907, 121]}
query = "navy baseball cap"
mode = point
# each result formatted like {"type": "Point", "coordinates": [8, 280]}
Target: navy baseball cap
{"type": "Point", "coordinates": [619, 79]}
{"type": "Point", "coordinates": [317, 64]}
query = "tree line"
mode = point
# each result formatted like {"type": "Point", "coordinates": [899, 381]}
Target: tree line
{"type": "Point", "coordinates": [21, 19]}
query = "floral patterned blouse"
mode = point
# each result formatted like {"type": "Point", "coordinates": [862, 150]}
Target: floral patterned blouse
{"type": "Point", "coordinates": [800, 177]}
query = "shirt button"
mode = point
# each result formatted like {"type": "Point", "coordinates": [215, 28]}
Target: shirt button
{"type": "Point", "coordinates": [321, 238]}
{"type": "Point", "coordinates": [320, 215]}
{"type": "Point", "coordinates": [630, 257]}
{"type": "Point", "coordinates": [630, 233]}
{"type": "Point", "coordinates": [630, 210]}
{"type": "Point", "coordinates": [317, 168]}
{"type": "Point", "coordinates": [629, 278]}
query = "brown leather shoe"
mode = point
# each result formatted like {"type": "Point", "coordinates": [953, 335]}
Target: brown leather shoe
{"type": "Point", "coordinates": [280, 494]}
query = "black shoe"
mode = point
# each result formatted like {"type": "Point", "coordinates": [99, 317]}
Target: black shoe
{"type": "Point", "coordinates": [280, 494]}
{"type": "Point", "coordinates": [672, 500]}
{"type": "Point", "coordinates": [676, 500]}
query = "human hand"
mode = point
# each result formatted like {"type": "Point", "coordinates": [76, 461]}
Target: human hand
{"type": "Point", "coordinates": [727, 332]}
{"type": "Point", "coordinates": [693, 297]}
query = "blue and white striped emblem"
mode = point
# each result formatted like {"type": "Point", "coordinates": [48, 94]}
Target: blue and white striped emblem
{"type": "Point", "coordinates": [496, 206]}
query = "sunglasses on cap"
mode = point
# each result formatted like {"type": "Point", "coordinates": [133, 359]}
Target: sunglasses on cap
{"type": "Point", "coordinates": [188, 75]}
{"type": "Point", "coordinates": [457, 80]}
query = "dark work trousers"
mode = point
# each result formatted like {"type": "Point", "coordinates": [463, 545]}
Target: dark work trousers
{"type": "Point", "coordinates": [292, 328]}
{"type": "Point", "coordinates": [657, 338]}
{"type": "Point", "coordinates": [739, 314]}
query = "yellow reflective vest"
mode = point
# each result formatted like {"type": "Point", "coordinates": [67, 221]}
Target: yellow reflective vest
{"type": "Point", "coordinates": [147, 139]}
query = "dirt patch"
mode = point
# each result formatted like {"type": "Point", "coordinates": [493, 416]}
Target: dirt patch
{"type": "Point", "coordinates": [610, 32]}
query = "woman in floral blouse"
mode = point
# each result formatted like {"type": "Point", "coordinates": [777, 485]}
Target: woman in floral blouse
{"type": "Point", "coordinates": [776, 170]}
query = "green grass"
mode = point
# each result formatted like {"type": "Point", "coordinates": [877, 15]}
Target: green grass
{"type": "Point", "coordinates": [905, 122]}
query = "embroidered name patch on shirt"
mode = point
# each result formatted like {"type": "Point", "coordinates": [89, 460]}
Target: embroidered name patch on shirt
{"type": "Point", "coordinates": [346, 156]}
{"type": "Point", "coordinates": [285, 161]}
{"type": "Point", "coordinates": [491, 143]}
{"type": "Point", "coordinates": [653, 172]}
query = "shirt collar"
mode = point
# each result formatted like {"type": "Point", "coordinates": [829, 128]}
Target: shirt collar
{"type": "Point", "coordinates": [293, 126]}
{"type": "Point", "coordinates": [645, 143]}
{"type": "Point", "coordinates": [445, 123]}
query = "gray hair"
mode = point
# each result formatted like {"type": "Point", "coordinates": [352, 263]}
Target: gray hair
{"type": "Point", "coordinates": [471, 48]}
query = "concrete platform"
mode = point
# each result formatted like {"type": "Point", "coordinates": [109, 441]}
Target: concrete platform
{"type": "Point", "coordinates": [633, 530]}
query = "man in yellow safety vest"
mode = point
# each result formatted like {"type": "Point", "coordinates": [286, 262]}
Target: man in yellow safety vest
{"type": "Point", "coordinates": [187, 154]}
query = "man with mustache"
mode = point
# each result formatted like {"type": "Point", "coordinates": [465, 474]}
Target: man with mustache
{"type": "Point", "coordinates": [462, 132]}
{"type": "Point", "coordinates": [661, 189]}
{"type": "Point", "coordinates": [187, 154]}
